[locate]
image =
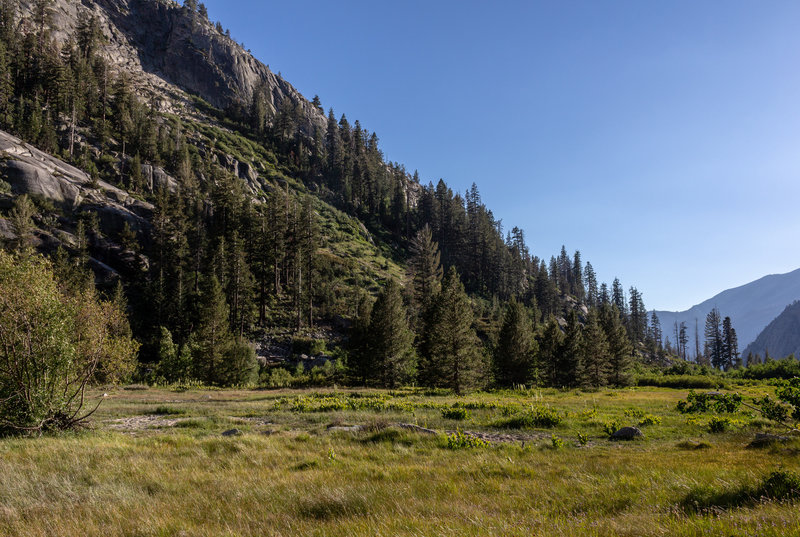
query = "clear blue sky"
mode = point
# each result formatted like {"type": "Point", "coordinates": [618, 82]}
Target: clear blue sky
{"type": "Point", "coordinates": [661, 139]}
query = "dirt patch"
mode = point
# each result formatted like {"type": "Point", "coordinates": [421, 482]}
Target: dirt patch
{"type": "Point", "coordinates": [488, 437]}
{"type": "Point", "coordinates": [138, 423]}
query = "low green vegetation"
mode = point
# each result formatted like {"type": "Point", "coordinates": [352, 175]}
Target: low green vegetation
{"type": "Point", "coordinates": [366, 462]}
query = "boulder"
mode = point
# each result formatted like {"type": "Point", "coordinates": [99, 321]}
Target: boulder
{"type": "Point", "coordinates": [627, 433]}
{"type": "Point", "coordinates": [766, 440]}
{"type": "Point", "coordinates": [232, 432]}
{"type": "Point", "coordinates": [28, 178]}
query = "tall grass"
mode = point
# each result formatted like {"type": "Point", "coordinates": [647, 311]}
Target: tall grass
{"type": "Point", "coordinates": [289, 475]}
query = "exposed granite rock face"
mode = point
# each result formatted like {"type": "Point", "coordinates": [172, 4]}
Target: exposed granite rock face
{"type": "Point", "coordinates": [156, 178]}
{"type": "Point", "coordinates": [160, 43]}
{"type": "Point", "coordinates": [33, 172]}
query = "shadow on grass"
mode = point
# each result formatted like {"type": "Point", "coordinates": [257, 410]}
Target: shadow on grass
{"type": "Point", "coordinates": [780, 485]}
{"type": "Point", "coordinates": [328, 507]}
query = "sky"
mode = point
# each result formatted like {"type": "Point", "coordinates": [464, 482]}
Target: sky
{"type": "Point", "coordinates": [661, 139]}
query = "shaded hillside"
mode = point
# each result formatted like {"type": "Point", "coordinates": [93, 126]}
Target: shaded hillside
{"type": "Point", "coordinates": [781, 337]}
{"type": "Point", "coordinates": [751, 307]}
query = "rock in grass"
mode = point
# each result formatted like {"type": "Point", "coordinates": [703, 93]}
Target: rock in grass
{"type": "Point", "coordinates": [232, 432]}
{"type": "Point", "coordinates": [765, 440]}
{"type": "Point", "coordinates": [626, 433]}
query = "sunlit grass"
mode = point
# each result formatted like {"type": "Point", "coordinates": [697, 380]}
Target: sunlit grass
{"type": "Point", "coordinates": [288, 474]}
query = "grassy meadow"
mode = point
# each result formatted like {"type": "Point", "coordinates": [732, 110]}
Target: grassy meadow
{"type": "Point", "coordinates": [335, 462]}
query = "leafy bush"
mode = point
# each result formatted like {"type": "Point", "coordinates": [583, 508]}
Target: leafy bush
{"type": "Point", "coordinates": [785, 368]}
{"type": "Point", "coordinates": [649, 419]}
{"type": "Point", "coordinates": [54, 344]}
{"type": "Point", "coordinates": [610, 427]}
{"type": "Point", "coordinates": [780, 485]}
{"type": "Point", "coordinates": [278, 377]}
{"type": "Point", "coordinates": [703, 402]}
{"type": "Point", "coordinates": [455, 413]}
{"type": "Point", "coordinates": [309, 346]}
{"type": "Point", "coordinates": [771, 409]}
{"type": "Point", "coordinates": [459, 440]}
{"type": "Point", "coordinates": [557, 442]}
{"type": "Point", "coordinates": [240, 364]}
{"type": "Point", "coordinates": [583, 439]}
{"type": "Point", "coordinates": [720, 424]}
{"type": "Point", "coordinates": [789, 393]}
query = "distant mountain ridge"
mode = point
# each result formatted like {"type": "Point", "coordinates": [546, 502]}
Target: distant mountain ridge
{"type": "Point", "coordinates": [751, 307]}
{"type": "Point", "coordinates": [781, 337]}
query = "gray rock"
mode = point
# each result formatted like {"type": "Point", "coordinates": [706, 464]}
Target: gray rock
{"type": "Point", "coordinates": [232, 432]}
{"type": "Point", "coordinates": [627, 433]}
{"type": "Point", "coordinates": [766, 440]}
{"type": "Point", "coordinates": [28, 178]}
{"type": "Point", "coordinates": [156, 178]}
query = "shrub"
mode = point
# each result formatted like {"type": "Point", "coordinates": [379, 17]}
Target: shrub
{"type": "Point", "coordinates": [240, 364]}
{"type": "Point", "coordinates": [785, 368]}
{"type": "Point", "coordinates": [719, 424]}
{"type": "Point", "coordinates": [309, 346]}
{"type": "Point", "coordinates": [610, 427]}
{"type": "Point", "coordinates": [780, 485]}
{"type": "Point", "coordinates": [557, 442]}
{"type": "Point", "coordinates": [649, 419]}
{"type": "Point", "coordinates": [702, 402]}
{"type": "Point", "coordinates": [459, 440]}
{"type": "Point", "coordinates": [634, 413]}
{"type": "Point", "coordinates": [54, 344]}
{"type": "Point", "coordinates": [278, 377]}
{"type": "Point", "coordinates": [789, 392]}
{"type": "Point", "coordinates": [537, 416]}
{"type": "Point", "coordinates": [583, 439]}
{"type": "Point", "coordinates": [771, 409]}
{"type": "Point", "coordinates": [455, 413]}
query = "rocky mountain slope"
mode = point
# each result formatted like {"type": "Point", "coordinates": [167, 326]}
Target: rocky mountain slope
{"type": "Point", "coordinates": [751, 307]}
{"type": "Point", "coordinates": [781, 337]}
{"type": "Point", "coordinates": [160, 44]}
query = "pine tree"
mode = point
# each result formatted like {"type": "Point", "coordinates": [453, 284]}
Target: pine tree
{"type": "Point", "coordinates": [425, 268]}
{"type": "Point", "coordinates": [592, 294]}
{"type": "Point", "coordinates": [713, 342]}
{"type": "Point", "coordinates": [569, 361]}
{"type": "Point", "coordinates": [656, 333]}
{"type": "Point", "coordinates": [391, 338]}
{"type": "Point", "coordinates": [730, 345]}
{"type": "Point", "coordinates": [550, 343]}
{"type": "Point", "coordinates": [174, 363]}
{"type": "Point", "coordinates": [21, 217]}
{"type": "Point", "coordinates": [620, 351]}
{"type": "Point", "coordinates": [514, 355]}
{"type": "Point", "coordinates": [454, 360]}
{"type": "Point", "coordinates": [637, 318]}
{"type": "Point", "coordinates": [362, 363]}
{"type": "Point", "coordinates": [595, 352]}
{"type": "Point", "coordinates": [578, 288]}
{"type": "Point", "coordinates": [213, 337]}
{"type": "Point", "coordinates": [618, 298]}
